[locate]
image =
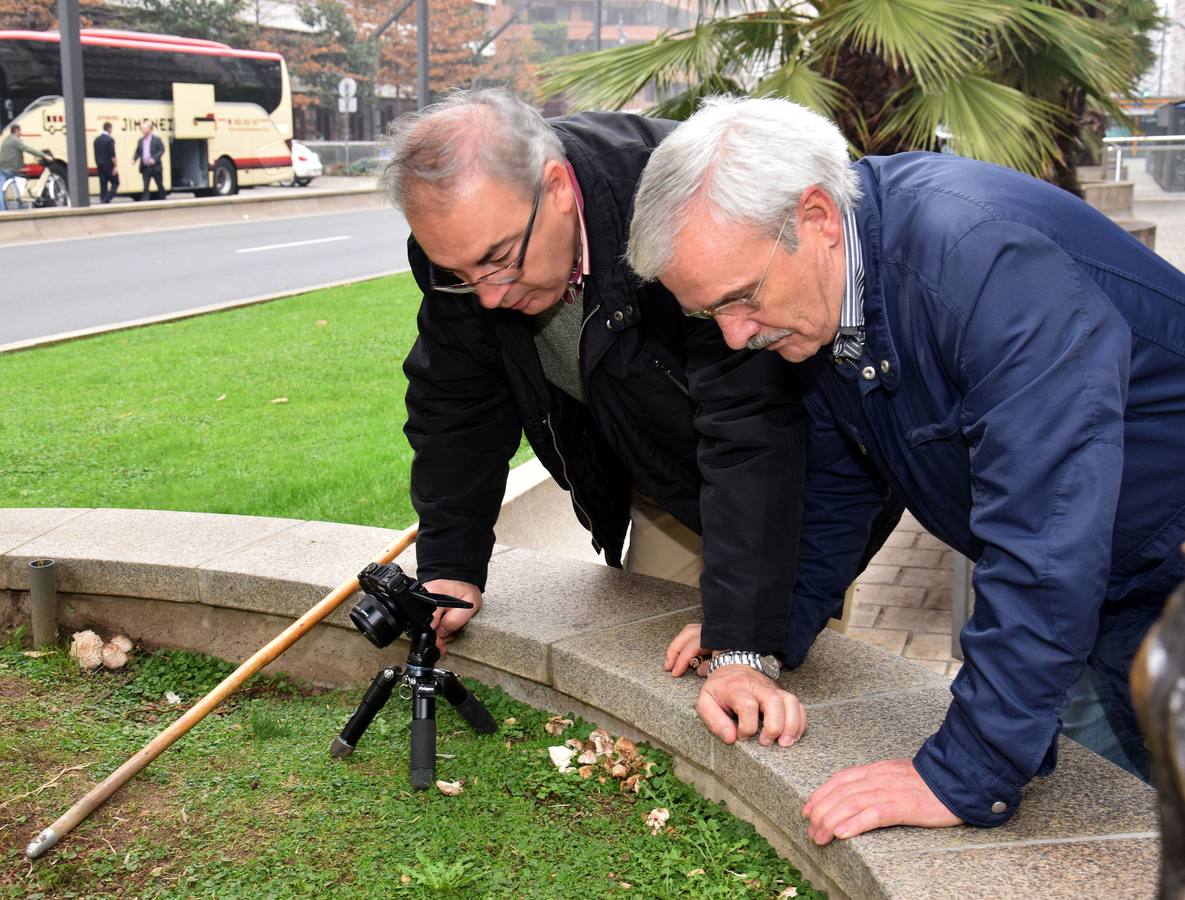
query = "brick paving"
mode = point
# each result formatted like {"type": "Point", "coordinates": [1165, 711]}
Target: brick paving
{"type": "Point", "coordinates": [902, 600]}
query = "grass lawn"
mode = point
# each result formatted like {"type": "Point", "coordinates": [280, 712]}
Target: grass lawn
{"type": "Point", "coordinates": [250, 804]}
{"type": "Point", "coordinates": [292, 408]}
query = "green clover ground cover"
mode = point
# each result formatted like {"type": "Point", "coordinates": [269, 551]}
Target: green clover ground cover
{"type": "Point", "coordinates": [292, 408]}
{"type": "Point", "coordinates": [250, 804]}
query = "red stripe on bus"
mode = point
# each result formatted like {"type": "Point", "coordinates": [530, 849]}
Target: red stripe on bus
{"type": "Point", "coordinates": [159, 47]}
{"type": "Point", "coordinates": [263, 162]}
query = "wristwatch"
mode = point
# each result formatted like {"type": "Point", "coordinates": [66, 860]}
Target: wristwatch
{"type": "Point", "coordinates": [765, 663]}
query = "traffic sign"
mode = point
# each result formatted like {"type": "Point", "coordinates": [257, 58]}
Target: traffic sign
{"type": "Point", "coordinates": [347, 87]}
{"type": "Point", "coordinates": [347, 104]}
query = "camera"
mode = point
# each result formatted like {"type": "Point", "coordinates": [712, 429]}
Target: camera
{"type": "Point", "coordinates": [395, 603]}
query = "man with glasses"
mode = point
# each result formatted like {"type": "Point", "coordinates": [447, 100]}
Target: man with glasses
{"type": "Point", "coordinates": [984, 349]}
{"type": "Point", "coordinates": [532, 324]}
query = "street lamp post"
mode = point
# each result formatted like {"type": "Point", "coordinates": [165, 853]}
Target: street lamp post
{"type": "Point", "coordinates": [72, 96]}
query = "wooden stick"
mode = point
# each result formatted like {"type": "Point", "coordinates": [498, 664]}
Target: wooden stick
{"type": "Point", "coordinates": [69, 820]}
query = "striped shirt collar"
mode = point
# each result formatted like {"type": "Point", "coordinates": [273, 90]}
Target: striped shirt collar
{"type": "Point", "coordinates": [849, 342]}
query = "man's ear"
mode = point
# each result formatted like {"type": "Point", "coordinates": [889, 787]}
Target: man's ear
{"type": "Point", "coordinates": [818, 214]}
{"type": "Point", "coordinates": [557, 187]}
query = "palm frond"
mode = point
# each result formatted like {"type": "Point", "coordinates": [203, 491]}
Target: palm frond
{"type": "Point", "coordinates": [989, 121]}
{"type": "Point", "coordinates": [798, 82]}
{"type": "Point", "coordinates": [683, 104]}
{"type": "Point", "coordinates": [930, 38]}
{"type": "Point", "coordinates": [1091, 53]}
{"type": "Point", "coordinates": [608, 79]}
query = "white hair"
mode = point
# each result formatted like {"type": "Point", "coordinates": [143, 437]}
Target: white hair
{"type": "Point", "coordinates": [468, 133]}
{"type": "Point", "coordinates": [738, 160]}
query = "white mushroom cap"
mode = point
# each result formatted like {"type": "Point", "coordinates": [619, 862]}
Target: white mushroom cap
{"type": "Point", "coordinates": [87, 648]}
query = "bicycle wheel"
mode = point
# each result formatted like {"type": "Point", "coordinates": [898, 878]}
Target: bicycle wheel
{"type": "Point", "coordinates": [12, 194]}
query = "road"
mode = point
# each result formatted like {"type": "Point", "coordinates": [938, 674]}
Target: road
{"type": "Point", "coordinates": [63, 286]}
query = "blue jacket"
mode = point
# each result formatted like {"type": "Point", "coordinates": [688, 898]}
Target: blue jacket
{"type": "Point", "coordinates": [1022, 393]}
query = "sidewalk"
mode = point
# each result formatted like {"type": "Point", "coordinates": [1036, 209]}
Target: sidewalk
{"type": "Point", "coordinates": [902, 600]}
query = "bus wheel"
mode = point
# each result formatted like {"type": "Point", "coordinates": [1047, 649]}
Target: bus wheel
{"type": "Point", "coordinates": [226, 182]}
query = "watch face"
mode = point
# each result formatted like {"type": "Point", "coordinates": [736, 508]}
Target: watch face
{"type": "Point", "coordinates": [770, 666]}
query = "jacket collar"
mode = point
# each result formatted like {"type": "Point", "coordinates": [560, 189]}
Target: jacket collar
{"type": "Point", "coordinates": [879, 350]}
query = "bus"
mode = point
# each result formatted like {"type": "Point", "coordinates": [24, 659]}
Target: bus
{"type": "Point", "coordinates": [225, 115]}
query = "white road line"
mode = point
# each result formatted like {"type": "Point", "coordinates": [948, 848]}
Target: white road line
{"type": "Point", "coordinates": [340, 237]}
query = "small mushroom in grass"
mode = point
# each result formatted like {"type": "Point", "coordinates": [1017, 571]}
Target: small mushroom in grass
{"type": "Point", "coordinates": [450, 788]}
{"type": "Point", "coordinates": [561, 757]}
{"type": "Point", "coordinates": [113, 657]}
{"type": "Point", "coordinates": [87, 648]}
{"type": "Point", "coordinates": [657, 819]}
{"type": "Point", "coordinates": [122, 642]}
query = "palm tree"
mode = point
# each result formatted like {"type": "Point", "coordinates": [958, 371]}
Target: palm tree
{"type": "Point", "coordinates": [1009, 79]}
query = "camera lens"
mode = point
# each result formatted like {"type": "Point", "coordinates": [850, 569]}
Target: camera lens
{"type": "Point", "coordinates": [372, 617]}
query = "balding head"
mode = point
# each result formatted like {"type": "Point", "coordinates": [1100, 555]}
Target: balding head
{"type": "Point", "coordinates": [442, 150]}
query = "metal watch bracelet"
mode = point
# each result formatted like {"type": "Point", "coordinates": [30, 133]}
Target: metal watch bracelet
{"type": "Point", "coordinates": [768, 666]}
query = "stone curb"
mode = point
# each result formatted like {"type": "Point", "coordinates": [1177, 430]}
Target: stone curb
{"type": "Point", "coordinates": [62, 337]}
{"type": "Point", "coordinates": [43, 225]}
{"type": "Point", "coordinates": [568, 635]}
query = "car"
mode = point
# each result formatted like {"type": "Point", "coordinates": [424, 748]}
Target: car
{"type": "Point", "coordinates": [306, 165]}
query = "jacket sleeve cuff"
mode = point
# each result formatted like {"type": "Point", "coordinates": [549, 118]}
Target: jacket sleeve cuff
{"type": "Point", "coordinates": [960, 780]}
{"type": "Point", "coordinates": [808, 616]}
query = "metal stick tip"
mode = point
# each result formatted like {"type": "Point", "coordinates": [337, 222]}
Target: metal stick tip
{"type": "Point", "coordinates": [41, 843]}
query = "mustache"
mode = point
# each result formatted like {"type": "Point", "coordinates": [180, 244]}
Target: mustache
{"type": "Point", "coordinates": [761, 341]}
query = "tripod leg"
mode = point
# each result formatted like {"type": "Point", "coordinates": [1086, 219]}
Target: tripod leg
{"type": "Point", "coordinates": [466, 703]}
{"type": "Point", "coordinates": [423, 735]}
{"type": "Point", "coordinates": [373, 700]}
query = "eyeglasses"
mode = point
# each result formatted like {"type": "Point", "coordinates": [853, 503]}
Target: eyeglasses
{"type": "Point", "coordinates": [742, 305]}
{"type": "Point", "coordinates": [507, 274]}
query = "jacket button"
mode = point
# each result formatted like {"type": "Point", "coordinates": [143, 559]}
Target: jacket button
{"type": "Point", "coordinates": [885, 367]}
{"type": "Point", "coordinates": [868, 373]}
{"type": "Point", "coordinates": [999, 806]}
{"type": "Point", "coordinates": [617, 316]}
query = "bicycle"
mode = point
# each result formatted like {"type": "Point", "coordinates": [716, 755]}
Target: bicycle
{"type": "Point", "coordinates": [46, 190]}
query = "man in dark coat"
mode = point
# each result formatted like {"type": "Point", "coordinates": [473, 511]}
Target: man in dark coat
{"type": "Point", "coordinates": [149, 153]}
{"type": "Point", "coordinates": [531, 323]}
{"type": "Point", "coordinates": [106, 164]}
{"type": "Point", "coordinates": [986, 350]}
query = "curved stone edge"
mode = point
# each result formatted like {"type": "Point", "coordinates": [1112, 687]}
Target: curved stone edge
{"type": "Point", "coordinates": [568, 635]}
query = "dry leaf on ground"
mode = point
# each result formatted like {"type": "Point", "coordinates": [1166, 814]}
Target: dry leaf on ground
{"type": "Point", "coordinates": [279, 400]}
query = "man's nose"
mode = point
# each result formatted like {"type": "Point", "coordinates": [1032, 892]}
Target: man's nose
{"type": "Point", "coordinates": [736, 330]}
{"type": "Point", "coordinates": [490, 296]}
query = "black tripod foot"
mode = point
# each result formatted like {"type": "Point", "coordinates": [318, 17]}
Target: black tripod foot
{"type": "Point", "coordinates": [339, 749]}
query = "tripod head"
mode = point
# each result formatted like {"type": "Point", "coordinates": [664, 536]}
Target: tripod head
{"type": "Point", "coordinates": [395, 603]}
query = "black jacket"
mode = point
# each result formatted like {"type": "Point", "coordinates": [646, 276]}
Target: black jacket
{"type": "Point", "coordinates": [156, 149]}
{"type": "Point", "coordinates": [475, 384]}
{"type": "Point", "coordinates": [104, 149]}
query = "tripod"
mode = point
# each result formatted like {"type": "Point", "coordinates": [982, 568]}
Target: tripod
{"type": "Point", "coordinates": [424, 683]}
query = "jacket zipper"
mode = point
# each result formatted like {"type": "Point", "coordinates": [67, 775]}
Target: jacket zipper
{"type": "Point", "coordinates": [671, 375]}
{"type": "Point", "coordinates": [587, 523]}
{"type": "Point", "coordinates": [580, 336]}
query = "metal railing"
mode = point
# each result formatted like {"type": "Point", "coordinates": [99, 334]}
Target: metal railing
{"type": "Point", "coordinates": [1149, 142]}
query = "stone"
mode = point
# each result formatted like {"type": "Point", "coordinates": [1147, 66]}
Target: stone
{"type": "Point", "coordinates": [137, 552]}
{"type": "Point", "coordinates": [620, 670]}
{"type": "Point", "coordinates": [892, 641]}
{"type": "Point", "coordinates": [19, 526]}
{"type": "Point", "coordinates": [1069, 870]}
{"type": "Point", "coordinates": [534, 600]}
{"type": "Point", "coordinates": [288, 572]}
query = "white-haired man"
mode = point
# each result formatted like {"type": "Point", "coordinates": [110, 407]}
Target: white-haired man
{"type": "Point", "coordinates": [990, 352]}
{"type": "Point", "coordinates": [531, 323]}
